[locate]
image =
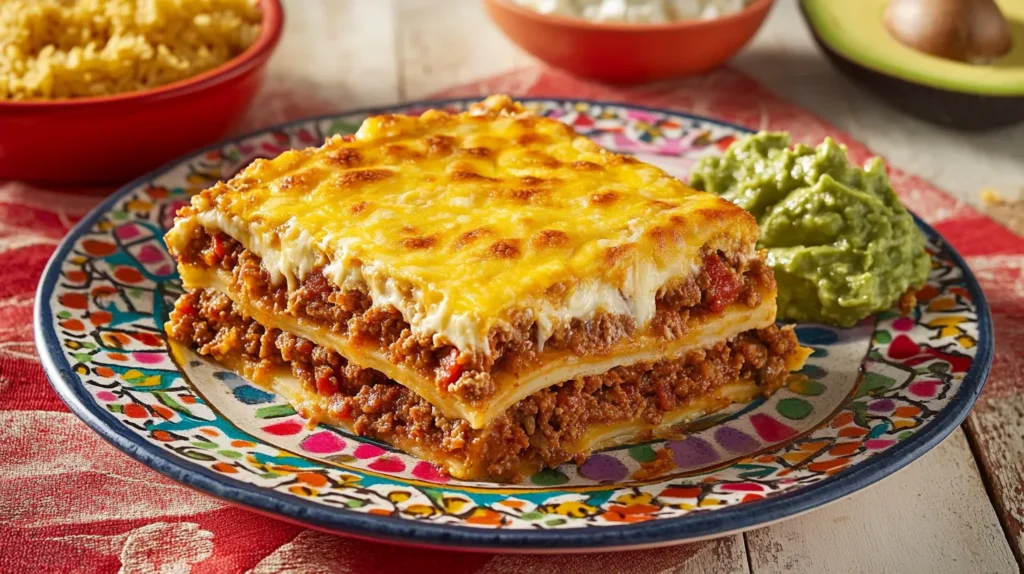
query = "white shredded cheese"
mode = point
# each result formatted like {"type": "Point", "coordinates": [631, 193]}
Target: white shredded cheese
{"type": "Point", "coordinates": [637, 11]}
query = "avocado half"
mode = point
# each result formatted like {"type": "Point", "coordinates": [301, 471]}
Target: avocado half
{"type": "Point", "coordinates": [947, 92]}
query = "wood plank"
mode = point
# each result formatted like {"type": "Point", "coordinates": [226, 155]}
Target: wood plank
{"type": "Point", "coordinates": [998, 432]}
{"type": "Point", "coordinates": [721, 556]}
{"type": "Point", "coordinates": [933, 516]}
{"type": "Point", "coordinates": [333, 56]}
{"type": "Point", "coordinates": [444, 47]}
{"type": "Point", "coordinates": [996, 425]}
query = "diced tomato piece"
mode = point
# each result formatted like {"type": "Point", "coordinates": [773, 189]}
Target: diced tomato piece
{"type": "Point", "coordinates": [218, 246]}
{"type": "Point", "coordinates": [326, 386]}
{"type": "Point", "coordinates": [186, 309]}
{"type": "Point", "coordinates": [450, 370]}
{"type": "Point", "coordinates": [725, 142]}
{"type": "Point", "coordinates": [316, 284]}
{"type": "Point", "coordinates": [345, 413]}
{"type": "Point", "coordinates": [725, 283]}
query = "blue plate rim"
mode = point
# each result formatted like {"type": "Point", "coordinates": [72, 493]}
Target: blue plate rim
{"type": "Point", "coordinates": [698, 525]}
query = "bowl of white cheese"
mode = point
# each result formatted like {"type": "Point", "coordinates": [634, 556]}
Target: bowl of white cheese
{"type": "Point", "coordinates": [630, 41]}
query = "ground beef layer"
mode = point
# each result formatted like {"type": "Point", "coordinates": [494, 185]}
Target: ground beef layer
{"type": "Point", "coordinates": [541, 430]}
{"type": "Point", "coordinates": [721, 281]}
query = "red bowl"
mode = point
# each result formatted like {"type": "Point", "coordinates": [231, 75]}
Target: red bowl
{"type": "Point", "coordinates": [111, 139]}
{"type": "Point", "coordinates": [628, 53]}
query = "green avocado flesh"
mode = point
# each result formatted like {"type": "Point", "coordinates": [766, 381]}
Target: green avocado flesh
{"type": "Point", "coordinates": [841, 244]}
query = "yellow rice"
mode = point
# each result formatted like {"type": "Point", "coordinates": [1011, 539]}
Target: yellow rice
{"type": "Point", "coordinates": [52, 49]}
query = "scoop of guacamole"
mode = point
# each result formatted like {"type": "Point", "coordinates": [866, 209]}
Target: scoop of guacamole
{"type": "Point", "coordinates": [842, 245]}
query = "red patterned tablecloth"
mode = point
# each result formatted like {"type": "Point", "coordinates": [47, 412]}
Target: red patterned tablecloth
{"type": "Point", "coordinates": [91, 508]}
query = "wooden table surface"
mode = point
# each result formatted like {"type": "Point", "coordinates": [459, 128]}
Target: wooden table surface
{"type": "Point", "coordinates": [957, 509]}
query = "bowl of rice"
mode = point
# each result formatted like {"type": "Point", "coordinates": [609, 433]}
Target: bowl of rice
{"type": "Point", "coordinates": [101, 91]}
{"type": "Point", "coordinates": [630, 41]}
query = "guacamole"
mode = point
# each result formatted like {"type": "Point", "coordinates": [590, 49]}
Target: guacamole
{"type": "Point", "coordinates": [842, 245]}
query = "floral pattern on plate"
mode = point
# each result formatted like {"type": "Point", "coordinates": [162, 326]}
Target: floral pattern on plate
{"type": "Point", "coordinates": [863, 391]}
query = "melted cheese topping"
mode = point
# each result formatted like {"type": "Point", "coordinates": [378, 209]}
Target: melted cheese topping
{"type": "Point", "coordinates": [462, 220]}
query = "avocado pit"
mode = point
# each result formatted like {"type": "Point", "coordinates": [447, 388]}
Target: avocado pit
{"type": "Point", "coordinates": [973, 31]}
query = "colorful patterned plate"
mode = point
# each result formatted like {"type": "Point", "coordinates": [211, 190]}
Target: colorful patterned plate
{"type": "Point", "coordinates": [872, 399]}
